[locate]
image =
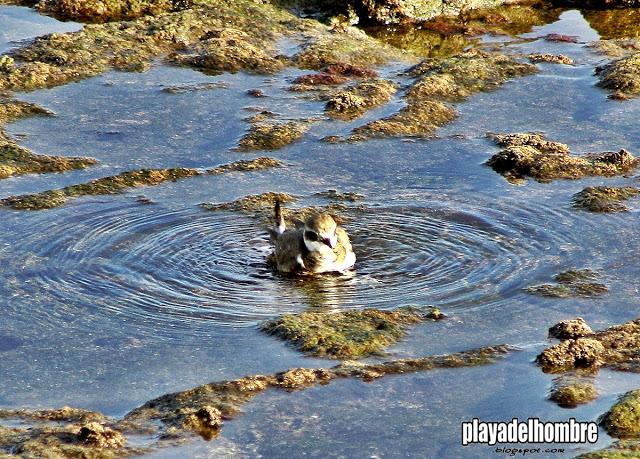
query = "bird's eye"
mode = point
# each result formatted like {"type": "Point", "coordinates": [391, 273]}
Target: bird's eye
{"type": "Point", "coordinates": [311, 235]}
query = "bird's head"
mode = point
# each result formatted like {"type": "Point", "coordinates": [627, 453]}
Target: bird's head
{"type": "Point", "coordinates": [320, 233]}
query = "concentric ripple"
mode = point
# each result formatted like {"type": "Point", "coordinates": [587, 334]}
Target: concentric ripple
{"type": "Point", "coordinates": [168, 273]}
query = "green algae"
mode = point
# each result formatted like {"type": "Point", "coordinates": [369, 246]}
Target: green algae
{"type": "Point", "coordinates": [354, 101]}
{"type": "Point", "coordinates": [571, 283]}
{"type": "Point", "coordinates": [604, 199]}
{"type": "Point", "coordinates": [616, 348]}
{"type": "Point", "coordinates": [571, 391]}
{"type": "Point", "coordinates": [623, 419]}
{"type": "Point", "coordinates": [531, 155]}
{"type": "Point", "coordinates": [347, 334]}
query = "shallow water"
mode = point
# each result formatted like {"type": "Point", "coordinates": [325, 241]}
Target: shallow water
{"type": "Point", "coordinates": [108, 302]}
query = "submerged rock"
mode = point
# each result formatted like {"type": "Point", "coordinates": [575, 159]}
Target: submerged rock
{"type": "Point", "coordinates": [623, 419]}
{"type": "Point", "coordinates": [604, 199]}
{"type": "Point", "coordinates": [571, 283]}
{"type": "Point", "coordinates": [95, 434]}
{"type": "Point", "coordinates": [571, 391]}
{"type": "Point", "coordinates": [347, 334]}
{"type": "Point", "coordinates": [353, 102]}
{"type": "Point", "coordinates": [617, 348]}
{"type": "Point", "coordinates": [531, 155]}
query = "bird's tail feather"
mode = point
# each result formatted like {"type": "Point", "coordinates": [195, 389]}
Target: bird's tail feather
{"type": "Point", "coordinates": [280, 226]}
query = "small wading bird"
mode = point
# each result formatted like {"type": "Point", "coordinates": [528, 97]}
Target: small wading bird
{"type": "Point", "coordinates": [321, 246]}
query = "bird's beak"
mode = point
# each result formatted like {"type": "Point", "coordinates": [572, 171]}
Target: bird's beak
{"type": "Point", "coordinates": [331, 242]}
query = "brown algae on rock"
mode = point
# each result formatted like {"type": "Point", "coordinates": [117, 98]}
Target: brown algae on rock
{"type": "Point", "coordinates": [105, 10]}
{"type": "Point", "coordinates": [531, 155]}
{"type": "Point", "coordinates": [17, 160]}
{"type": "Point", "coordinates": [126, 180]}
{"type": "Point", "coordinates": [440, 81]}
{"type": "Point", "coordinates": [65, 432]}
{"type": "Point", "coordinates": [623, 419]}
{"type": "Point", "coordinates": [604, 198]}
{"type": "Point", "coordinates": [106, 185]}
{"type": "Point", "coordinates": [616, 348]}
{"type": "Point", "coordinates": [571, 354]}
{"type": "Point", "coordinates": [172, 415]}
{"type": "Point", "coordinates": [271, 135]}
{"type": "Point", "coordinates": [550, 58]}
{"type": "Point", "coordinates": [623, 449]}
{"type": "Point", "coordinates": [570, 329]}
{"type": "Point", "coordinates": [353, 102]}
{"type": "Point", "coordinates": [571, 391]}
{"type": "Point", "coordinates": [571, 283]}
{"type": "Point", "coordinates": [621, 76]}
{"type": "Point", "coordinates": [247, 165]}
{"type": "Point", "coordinates": [347, 334]}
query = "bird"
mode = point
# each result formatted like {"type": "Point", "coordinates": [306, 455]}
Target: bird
{"type": "Point", "coordinates": [317, 246]}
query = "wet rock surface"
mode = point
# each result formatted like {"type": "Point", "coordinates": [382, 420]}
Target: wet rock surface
{"type": "Point", "coordinates": [531, 155]}
{"type": "Point", "coordinates": [353, 102]}
{"type": "Point", "coordinates": [125, 181]}
{"type": "Point", "coordinates": [621, 76]}
{"type": "Point", "coordinates": [17, 160]}
{"type": "Point", "coordinates": [604, 199]}
{"type": "Point", "coordinates": [571, 283]}
{"type": "Point", "coordinates": [550, 58]}
{"type": "Point", "coordinates": [617, 348]}
{"type": "Point", "coordinates": [349, 334]}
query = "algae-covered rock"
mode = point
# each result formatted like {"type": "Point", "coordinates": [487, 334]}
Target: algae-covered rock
{"type": "Point", "coordinates": [104, 10]}
{"type": "Point", "coordinates": [571, 354]}
{"type": "Point", "coordinates": [570, 329]}
{"type": "Point", "coordinates": [619, 349]}
{"type": "Point", "coordinates": [623, 449]}
{"type": "Point", "coordinates": [271, 135]}
{"type": "Point", "coordinates": [614, 23]}
{"type": "Point", "coordinates": [531, 155]}
{"type": "Point", "coordinates": [621, 76]}
{"type": "Point", "coordinates": [356, 100]}
{"type": "Point", "coordinates": [106, 185]}
{"type": "Point", "coordinates": [397, 11]}
{"type": "Point", "coordinates": [17, 160]}
{"type": "Point", "coordinates": [247, 165]}
{"type": "Point", "coordinates": [604, 198]}
{"type": "Point", "coordinates": [623, 419]}
{"type": "Point", "coordinates": [253, 203]}
{"type": "Point", "coordinates": [550, 58]}
{"type": "Point", "coordinates": [438, 82]}
{"type": "Point", "coordinates": [348, 334]}
{"type": "Point", "coordinates": [199, 411]}
{"type": "Point", "coordinates": [571, 283]}
{"type": "Point", "coordinates": [571, 391]}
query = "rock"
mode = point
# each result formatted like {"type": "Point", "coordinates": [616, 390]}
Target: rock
{"type": "Point", "coordinates": [570, 329]}
{"type": "Point", "coordinates": [571, 354]}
